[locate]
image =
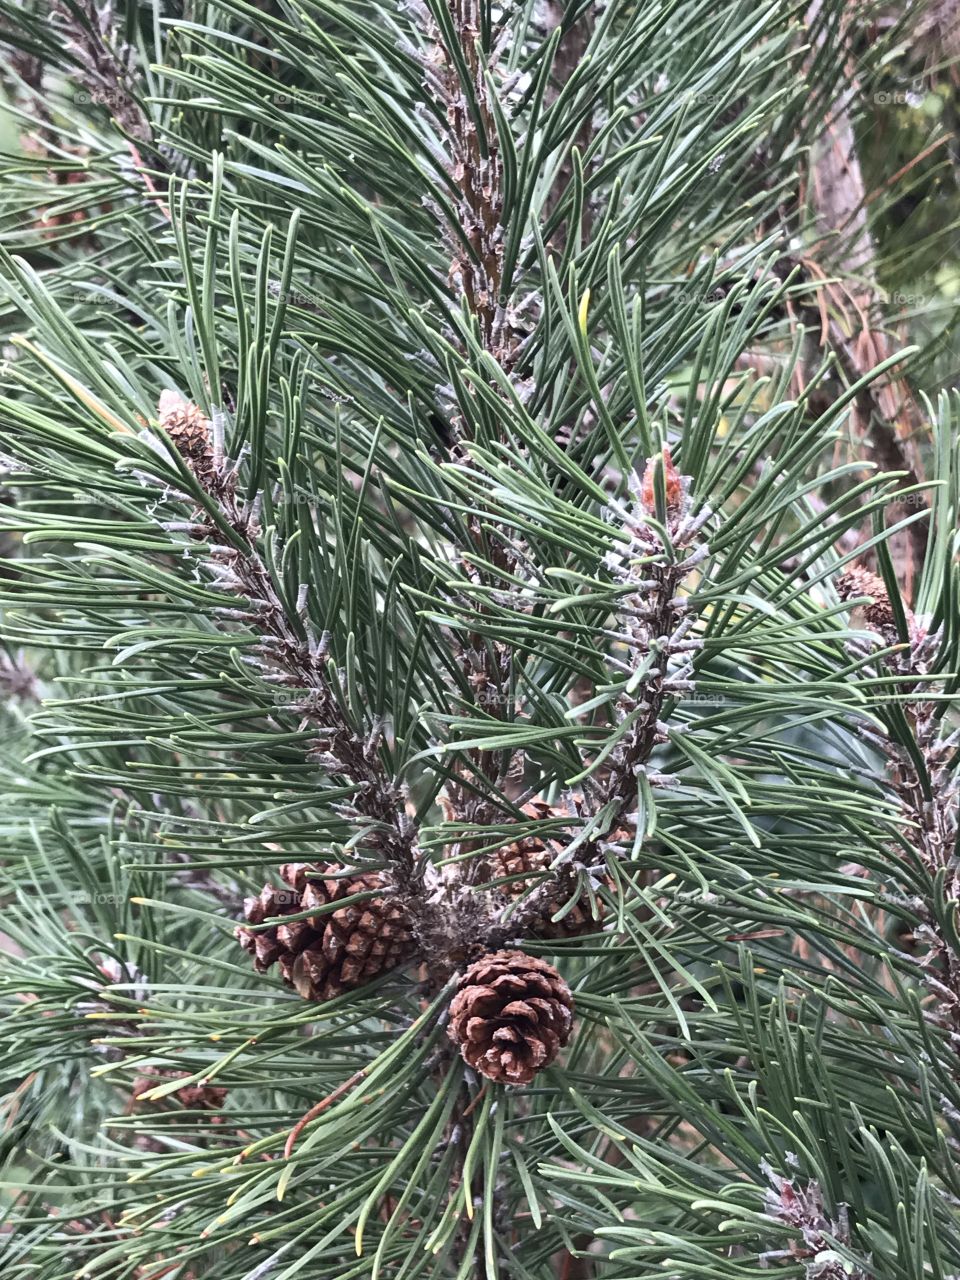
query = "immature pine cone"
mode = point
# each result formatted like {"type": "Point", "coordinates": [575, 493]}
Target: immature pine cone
{"type": "Point", "coordinates": [511, 1015]}
{"type": "Point", "coordinates": [190, 432]}
{"type": "Point", "coordinates": [206, 1097]}
{"type": "Point", "coordinates": [858, 581]}
{"type": "Point", "coordinates": [325, 955]}
{"type": "Point", "coordinates": [530, 855]}
{"type": "Point", "coordinates": [192, 1097]}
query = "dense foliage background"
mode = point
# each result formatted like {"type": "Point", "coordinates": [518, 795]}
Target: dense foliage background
{"type": "Point", "coordinates": [577, 390]}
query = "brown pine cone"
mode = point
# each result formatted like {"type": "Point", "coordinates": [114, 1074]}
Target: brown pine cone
{"type": "Point", "coordinates": [190, 432]}
{"type": "Point", "coordinates": [511, 1015]}
{"type": "Point", "coordinates": [526, 857]}
{"type": "Point", "coordinates": [857, 581]}
{"type": "Point", "coordinates": [325, 955]}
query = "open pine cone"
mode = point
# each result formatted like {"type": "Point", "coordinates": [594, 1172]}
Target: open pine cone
{"type": "Point", "coordinates": [511, 1015]}
{"type": "Point", "coordinates": [526, 857]}
{"type": "Point", "coordinates": [325, 955]}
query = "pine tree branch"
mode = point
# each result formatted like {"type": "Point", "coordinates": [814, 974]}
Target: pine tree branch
{"type": "Point", "coordinates": [289, 651]}
{"type": "Point", "coordinates": [802, 1209]}
{"type": "Point", "coordinates": [659, 626]}
{"type": "Point", "coordinates": [109, 71]}
{"type": "Point", "coordinates": [662, 1109]}
{"type": "Point", "coordinates": [664, 547]}
{"type": "Point", "coordinates": [925, 782]}
{"type": "Point", "coordinates": [460, 82]}
{"type": "Point", "coordinates": [460, 78]}
{"type": "Point", "coordinates": [449, 921]}
{"type": "Point", "coordinates": [106, 61]}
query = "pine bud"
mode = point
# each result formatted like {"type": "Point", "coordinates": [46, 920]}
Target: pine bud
{"type": "Point", "coordinates": [672, 484]}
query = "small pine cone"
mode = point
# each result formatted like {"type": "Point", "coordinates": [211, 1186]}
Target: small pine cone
{"type": "Point", "coordinates": [195, 1097]}
{"type": "Point", "coordinates": [511, 1015]}
{"type": "Point", "coordinates": [190, 432]}
{"type": "Point", "coordinates": [207, 1097]}
{"type": "Point", "coordinates": [858, 581]}
{"type": "Point", "coordinates": [325, 955]}
{"type": "Point", "coordinates": [526, 857]}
